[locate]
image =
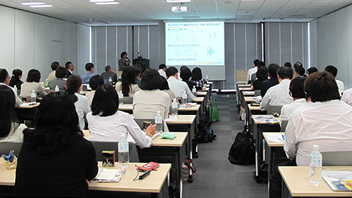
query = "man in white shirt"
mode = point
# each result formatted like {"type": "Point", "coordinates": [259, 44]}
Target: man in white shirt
{"type": "Point", "coordinates": [278, 95]}
{"type": "Point", "coordinates": [178, 86]}
{"type": "Point", "coordinates": [333, 71]}
{"type": "Point", "coordinates": [162, 69]}
{"type": "Point", "coordinates": [252, 70]}
{"type": "Point", "coordinates": [298, 96]}
{"type": "Point", "coordinates": [347, 96]}
{"type": "Point", "coordinates": [5, 80]}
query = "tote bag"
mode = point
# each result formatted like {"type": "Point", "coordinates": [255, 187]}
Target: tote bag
{"type": "Point", "coordinates": [214, 112]}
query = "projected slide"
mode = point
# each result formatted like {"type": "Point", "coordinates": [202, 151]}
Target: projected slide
{"type": "Point", "coordinates": [194, 43]}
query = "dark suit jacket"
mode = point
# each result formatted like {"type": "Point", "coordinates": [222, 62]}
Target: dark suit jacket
{"type": "Point", "coordinates": [266, 84]}
{"type": "Point", "coordinates": [68, 74]}
{"type": "Point", "coordinates": [107, 75]}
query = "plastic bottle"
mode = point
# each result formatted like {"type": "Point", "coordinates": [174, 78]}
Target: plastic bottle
{"type": "Point", "coordinates": [124, 156]}
{"type": "Point", "coordinates": [42, 84]}
{"type": "Point", "coordinates": [207, 78]}
{"type": "Point", "coordinates": [158, 122]}
{"type": "Point", "coordinates": [315, 166]}
{"type": "Point", "coordinates": [121, 98]}
{"type": "Point", "coordinates": [57, 88]}
{"type": "Point", "coordinates": [194, 91]}
{"type": "Point", "coordinates": [33, 97]}
{"type": "Point", "coordinates": [184, 98]}
{"type": "Point", "coordinates": [46, 84]}
{"type": "Point", "coordinates": [174, 107]}
{"type": "Point", "coordinates": [110, 80]}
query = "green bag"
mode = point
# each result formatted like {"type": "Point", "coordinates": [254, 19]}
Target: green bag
{"type": "Point", "coordinates": [214, 112]}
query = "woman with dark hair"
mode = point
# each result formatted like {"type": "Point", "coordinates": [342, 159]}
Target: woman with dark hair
{"type": "Point", "coordinates": [16, 79]}
{"type": "Point", "coordinates": [94, 83]}
{"type": "Point", "coordinates": [108, 124]}
{"type": "Point", "coordinates": [262, 74]}
{"type": "Point", "coordinates": [128, 85]}
{"type": "Point", "coordinates": [73, 88]}
{"type": "Point", "coordinates": [55, 159]}
{"type": "Point", "coordinates": [10, 127]}
{"type": "Point", "coordinates": [59, 81]}
{"type": "Point", "coordinates": [165, 88]}
{"type": "Point", "coordinates": [150, 99]}
{"type": "Point", "coordinates": [186, 75]}
{"type": "Point", "coordinates": [197, 78]}
{"type": "Point", "coordinates": [124, 62]}
{"type": "Point", "coordinates": [32, 83]}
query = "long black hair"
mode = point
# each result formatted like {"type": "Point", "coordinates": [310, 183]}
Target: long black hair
{"type": "Point", "coordinates": [128, 78]}
{"type": "Point", "coordinates": [7, 106]}
{"type": "Point", "coordinates": [56, 127]}
{"type": "Point", "coordinates": [73, 84]}
{"type": "Point", "coordinates": [15, 78]}
{"type": "Point", "coordinates": [105, 101]}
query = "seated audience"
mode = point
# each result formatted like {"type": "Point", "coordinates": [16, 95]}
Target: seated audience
{"type": "Point", "coordinates": [10, 127]}
{"type": "Point", "coordinates": [262, 74]}
{"type": "Point", "coordinates": [197, 78]}
{"type": "Point", "coordinates": [32, 83]}
{"type": "Point", "coordinates": [165, 88]}
{"type": "Point", "coordinates": [186, 75]}
{"type": "Point", "coordinates": [311, 70]}
{"type": "Point", "coordinates": [150, 99]}
{"type": "Point", "coordinates": [94, 83]}
{"type": "Point", "coordinates": [333, 71]}
{"type": "Point", "coordinates": [73, 88]}
{"type": "Point", "coordinates": [55, 160]}
{"type": "Point", "coordinates": [254, 76]}
{"type": "Point", "coordinates": [16, 79]}
{"type": "Point", "coordinates": [298, 96]}
{"type": "Point", "coordinates": [298, 70]}
{"type": "Point", "coordinates": [109, 73]}
{"type": "Point", "coordinates": [59, 81]}
{"type": "Point", "coordinates": [5, 80]}
{"type": "Point", "coordinates": [278, 95]}
{"type": "Point", "coordinates": [107, 123]}
{"type": "Point", "coordinates": [324, 120]}
{"type": "Point", "coordinates": [52, 75]}
{"type": "Point", "coordinates": [288, 64]}
{"type": "Point", "coordinates": [90, 69]}
{"type": "Point", "coordinates": [272, 74]}
{"type": "Point", "coordinates": [178, 87]}
{"type": "Point", "coordinates": [138, 69]}
{"type": "Point", "coordinates": [70, 67]}
{"type": "Point", "coordinates": [252, 71]}
{"type": "Point", "coordinates": [162, 69]}
{"type": "Point", "coordinates": [128, 84]}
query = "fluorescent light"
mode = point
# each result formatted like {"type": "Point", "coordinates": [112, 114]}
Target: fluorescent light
{"type": "Point", "coordinates": [95, 1]}
{"type": "Point", "coordinates": [177, 1]}
{"type": "Point", "coordinates": [106, 3]}
{"type": "Point", "coordinates": [32, 3]}
{"type": "Point", "coordinates": [41, 6]}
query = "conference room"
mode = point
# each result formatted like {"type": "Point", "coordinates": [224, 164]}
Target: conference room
{"type": "Point", "coordinates": [315, 33]}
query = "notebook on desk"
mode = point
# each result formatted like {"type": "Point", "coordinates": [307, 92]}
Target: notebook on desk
{"type": "Point", "coordinates": [338, 180]}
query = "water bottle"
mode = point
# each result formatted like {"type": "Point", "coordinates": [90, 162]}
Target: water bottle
{"type": "Point", "coordinates": [33, 97]}
{"type": "Point", "coordinates": [207, 78]}
{"type": "Point", "coordinates": [42, 84]}
{"type": "Point", "coordinates": [46, 84]}
{"type": "Point", "coordinates": [315, 166]}
{"type": "Point", "coordinates": [194, 91]}
{"type": "Point", "coordinates": [121, 98]}
{"type": "Point", "coordinates": [110, 80]}
{"type": "Point", "coordinates": [158, 122]}
{"type": "Point", "coordinates": [184, 98]}
{"type": "Point", "coordinates": [124, 157]}
{"type": "Point", "coordinates": [174, 107]}
{"type": "Point", "coordinates": [57, 88]}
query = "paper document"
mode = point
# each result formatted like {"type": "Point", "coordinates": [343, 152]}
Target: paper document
{"type": "Point", "coordinates": [275, 137]}
{"type": "Point", "coordinates": [109, 175]}
{"type": "Point", "coordinates": [338, 180]}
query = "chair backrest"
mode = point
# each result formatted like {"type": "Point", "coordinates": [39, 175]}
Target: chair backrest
{"type": "Point", "coordinates": [339, 158]}
{"type": "Point", "coordinates": [283, 125]}
{"type": "Point", "coordinates": [6, 147]}
{"type": "Point", "coordinates": [113, 146]}
{"type": "Point", "coordinates": [257, 92]}
{"type": "Point", "coordinates": [273, 109]}
{"type": "Point", "coordinates": [141, 121]}
{"type": "Point", "coordinates": [241, 75]}
{"type": "Point", "coordinates": [127, 100]}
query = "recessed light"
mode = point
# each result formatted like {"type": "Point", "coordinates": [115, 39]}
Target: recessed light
{"type": "Point", "coordinates": [107, 3]}
{"type": "Point", "coordinates": [32, 3]}
{"type": "Point", "coordinates": [41, 6]}
{"type": "Point", "coordinates": [96, 1]}
{"type": "Point", "coordinates": [177, 1]}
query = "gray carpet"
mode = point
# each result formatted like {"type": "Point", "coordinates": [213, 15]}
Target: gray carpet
{"type": "Point", "coordinates": [216, 176]}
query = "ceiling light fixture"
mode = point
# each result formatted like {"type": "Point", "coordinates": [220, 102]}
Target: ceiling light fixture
{"type": "Point", "coordinates": [177, 1]}
{"type": "Point", "coordinates": [107, 3]}
{"type": "Point", "coordinates": [41, 6]}
{"type": "Point", "coordinates": [100, 1]}
{"type": "Point", "coordinates": [32, 3]}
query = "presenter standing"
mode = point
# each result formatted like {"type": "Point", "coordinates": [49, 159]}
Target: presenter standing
{"type": "Point", "coordinates": [124, 62]}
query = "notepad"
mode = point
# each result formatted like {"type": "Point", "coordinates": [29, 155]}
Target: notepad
{"type": "Point", "coordinates": [108, 175]}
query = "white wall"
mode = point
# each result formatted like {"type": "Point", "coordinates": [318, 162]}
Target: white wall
{"type": "Point", "coordinates": [30, 40]}
{"type": "Point", "coordinates": [334, 43]}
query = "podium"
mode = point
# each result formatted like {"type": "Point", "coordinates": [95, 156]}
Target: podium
{"type": "Point", "coordinates": [144, 63]}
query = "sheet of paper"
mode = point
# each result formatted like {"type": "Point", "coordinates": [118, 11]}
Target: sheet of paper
{"type": "Point", "coordinates": [107, 174]}
{"type": "Point", "coordinates": [273, 137]}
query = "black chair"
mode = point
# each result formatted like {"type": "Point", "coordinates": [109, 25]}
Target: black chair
{"type": "Point", "coordinates": [338, 158]}
{"type": "Point", "coordinates": [113, 146]}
